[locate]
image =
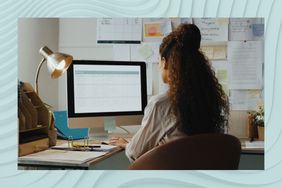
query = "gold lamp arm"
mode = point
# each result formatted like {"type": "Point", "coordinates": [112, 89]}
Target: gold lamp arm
{"type": "Point", "coordinates": [37, 75]}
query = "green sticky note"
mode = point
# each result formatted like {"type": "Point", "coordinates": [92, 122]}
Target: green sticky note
{"type": "Point", "coordinates": [145, 51]}
{"type": "Point", "coordinates": [225, 89]}
{"type": "Point", "coordinates": [222, 75]}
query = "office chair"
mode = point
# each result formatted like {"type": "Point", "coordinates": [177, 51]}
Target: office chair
{"type": "Point", "coordinates": [198, 152]}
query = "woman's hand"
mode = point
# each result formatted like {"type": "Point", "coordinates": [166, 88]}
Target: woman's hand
{"type": "Point", "coordinates": [118, 141]}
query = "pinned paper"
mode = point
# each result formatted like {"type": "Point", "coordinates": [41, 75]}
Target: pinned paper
{"type": "Point", "coordinates": [208, 51]}
{"type": "Point", "coordinates": [155, 31]}
{"type": "Point", "coordinates": [245, 99]}
{"type": "Point", "coordinates": [246, 29]}
{"type": "Point", "coordinates": [145, 51]}
{"type": "Point", "coordinates": [221, 72]}
{"type": "Point", "coordinates": [219, 52]}
{"type": "Point", "coordinates": [119, 30]}
{"type": "Point", "coordinates": [245, 64]}
{"type": "Point", "coordinates": [214, 52]}
{"type": "Point", "coordinates": [213, 29]}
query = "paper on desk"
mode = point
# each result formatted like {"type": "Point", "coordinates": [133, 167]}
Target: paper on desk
{"type": "Point", "coordinates": [103, 147]}
{"type": "Point", "coordinates": [254, 144]}
{"type": "Point", "coordinates": [64, 156]}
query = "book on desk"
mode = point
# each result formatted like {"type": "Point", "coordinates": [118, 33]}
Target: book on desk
{"type": "Point", "coordinates": [63, 154]}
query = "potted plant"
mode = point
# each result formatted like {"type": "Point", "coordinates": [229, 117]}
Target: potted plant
{"type": "Point", "coordinates": [256, 120]}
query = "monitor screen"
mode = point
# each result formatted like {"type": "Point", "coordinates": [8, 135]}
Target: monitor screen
{"type": "Point", "coordinates": [106, 88]}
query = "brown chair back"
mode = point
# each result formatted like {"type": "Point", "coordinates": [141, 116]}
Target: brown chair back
{"type": "Point", "coordinates": [197, 152]}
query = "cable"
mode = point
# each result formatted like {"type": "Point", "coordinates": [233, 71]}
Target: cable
{"type": "Point", "coordinates": [124, 129]}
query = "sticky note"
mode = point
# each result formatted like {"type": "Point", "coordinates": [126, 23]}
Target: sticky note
{"type": "Point", "coordinates": [258, 29]}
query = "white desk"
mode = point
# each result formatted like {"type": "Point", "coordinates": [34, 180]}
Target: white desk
{"type": "Point", "coordinates": [251, 159]}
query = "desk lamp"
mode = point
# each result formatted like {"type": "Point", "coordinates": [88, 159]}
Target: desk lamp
{"type": "Point", "coordinates": [57, 64]}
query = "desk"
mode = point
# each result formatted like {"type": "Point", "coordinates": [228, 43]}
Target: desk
{"type": "Point", "coordinates": [111, 158]}
{"type": "Point", "coordinates": [251, 159]}
{"type": "Point", "coordinates": [114, 160]}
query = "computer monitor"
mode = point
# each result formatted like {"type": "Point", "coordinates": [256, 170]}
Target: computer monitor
{"type": "Point", "coordinates": [99, 90]}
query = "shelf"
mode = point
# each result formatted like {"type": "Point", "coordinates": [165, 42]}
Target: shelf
{"type": "Point", "coordinates": [33, 129]}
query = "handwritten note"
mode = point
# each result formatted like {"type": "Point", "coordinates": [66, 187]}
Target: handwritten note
{"type": "Point", "coordinates": [213, 29]}
{"type": "Point", "coordinates": [215, 52]}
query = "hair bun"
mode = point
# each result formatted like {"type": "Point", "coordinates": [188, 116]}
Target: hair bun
{"type": "Point", "coordinates": [190, 36]}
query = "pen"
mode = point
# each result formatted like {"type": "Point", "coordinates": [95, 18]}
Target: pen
{"type": "Point", "coordinates": [96, 146]}
{"type": "Point", "coordinates": [82, 145]}
{"type": "Point", "coordinates": [80, 149]}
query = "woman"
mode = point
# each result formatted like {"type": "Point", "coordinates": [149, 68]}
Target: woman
{"type": "Point", "coordinates": [195, 102]}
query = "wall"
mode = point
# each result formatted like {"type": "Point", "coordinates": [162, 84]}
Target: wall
{"type": "Point", "coordinates": [32, 35]}
{"type": "Point", "coordinates": [78, 37]}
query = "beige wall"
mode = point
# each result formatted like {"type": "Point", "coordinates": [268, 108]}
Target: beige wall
{"type": "Point", "coordinates": [78, 38]}
{"type": "Point", "coordinates": [34, 33]}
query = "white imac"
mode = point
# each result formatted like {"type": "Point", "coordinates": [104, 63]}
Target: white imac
{"type": "Point", "coordinates": [102, 91]}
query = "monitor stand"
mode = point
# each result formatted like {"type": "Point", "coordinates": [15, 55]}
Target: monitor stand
{"type": "Point", "coordinates": [98, 134]}
{"type": "Point", "coordinates": [102, 133]}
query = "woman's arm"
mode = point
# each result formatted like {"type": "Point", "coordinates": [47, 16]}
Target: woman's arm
{"type": "Point", "coordinates": [148, 136]}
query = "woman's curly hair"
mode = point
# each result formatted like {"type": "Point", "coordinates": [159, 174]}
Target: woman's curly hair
{"type": "Point", "coordinates": [197, 98]}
